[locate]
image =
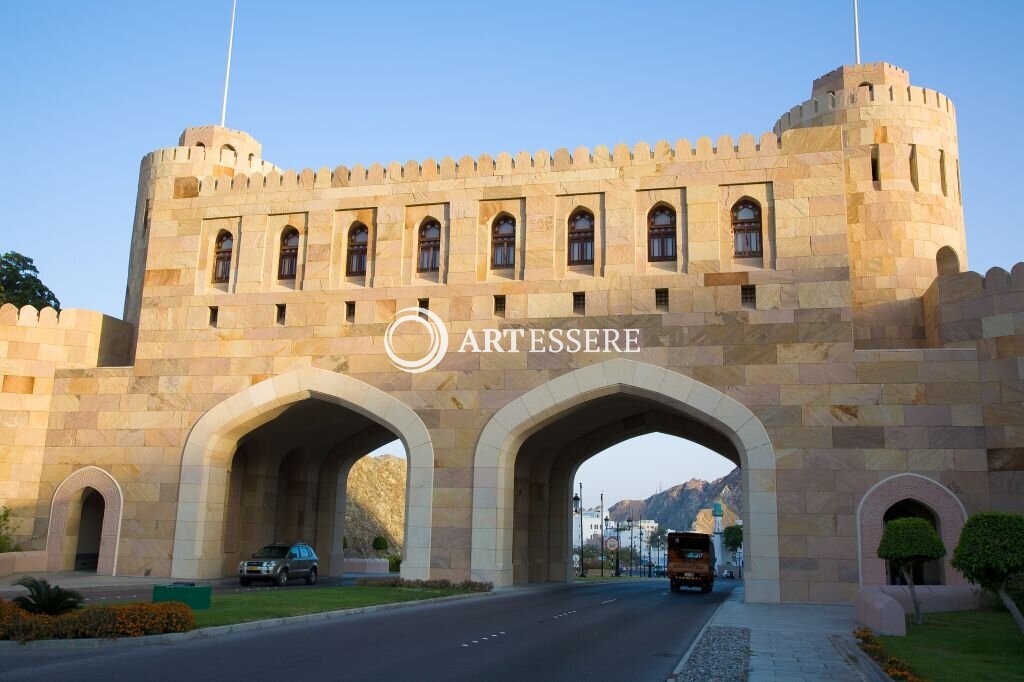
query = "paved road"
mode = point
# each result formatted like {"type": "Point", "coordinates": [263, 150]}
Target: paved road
{"type": "Point", "coordinates": [635, 630]}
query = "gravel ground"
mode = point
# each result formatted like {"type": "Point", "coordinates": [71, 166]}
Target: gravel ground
{"type": "Point", "coordinates": [720, 656]}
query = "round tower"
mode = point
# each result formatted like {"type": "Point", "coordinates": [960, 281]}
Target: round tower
{"type": "Point", "coordinates": [171, 173]}
{"type": "Point", "coordinates": [903, 200]}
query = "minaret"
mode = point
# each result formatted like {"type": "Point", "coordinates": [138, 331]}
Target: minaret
{"type": "Point", "coordinates": [718, 532]}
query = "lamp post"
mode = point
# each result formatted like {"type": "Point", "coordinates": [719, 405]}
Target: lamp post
{"type": "Point", "coordinates": [577, 505]}
{"type": "Point", "coordinates": [629, 525]}
{"type": "Point", "coordinates": [602, 533]}
{"type": "Point", "coordinates": [640, 549]}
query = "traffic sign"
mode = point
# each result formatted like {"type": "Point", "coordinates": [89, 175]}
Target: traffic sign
{"type": "Point", "coordinates": [612, 544]}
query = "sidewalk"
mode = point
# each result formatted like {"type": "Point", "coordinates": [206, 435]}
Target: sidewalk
{"type": "Point", "coordinates": [79, 580]}
{"type": "Point", "coordinates": [794, 642]}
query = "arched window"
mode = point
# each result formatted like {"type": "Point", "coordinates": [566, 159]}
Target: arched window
{"type": "Point", "coordinates": [288, 261]}
{"type": "Point", "coordinates": [746, 228]}
{"type": "Point", "coordinates": [661, 234]}
{"type": "Point", "coordinates": [581, 238]}
{"type": "Point", "coordinates": [429, 247]}
{"type": "Point", "coordinates": [358, 238]}
{"type": "Point", "coordinates": [222, 257]}
{"type": "Point", "coordinates": [227, 147]}
{"type": "Point", "coordinates": [503, 242]}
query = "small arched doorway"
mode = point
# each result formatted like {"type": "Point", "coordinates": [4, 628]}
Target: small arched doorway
{"type": "Point", "coordinates": [90, 531]}
{"type": "Point", "coordinates": [85, 523]}
{"type": "Point", "coordinates": [928, 573]}
{"type": "Point", "coordinates": [903, 495]}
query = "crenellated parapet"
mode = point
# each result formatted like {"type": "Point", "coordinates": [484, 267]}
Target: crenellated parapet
{"type": "Point", "coordinates": [523, 162]}
{"type": "Point", "coordinates": [37, 341]}
{"type": "Point", "coordinates": [967, 307]}
{"type": "Point", "coordinates": [866, 95]}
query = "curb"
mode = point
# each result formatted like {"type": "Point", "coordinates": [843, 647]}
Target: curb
{"type": "Point", "coordinates": [865, 666]}
{"type": "Point", "coordinates": [677, 671]}
{"type": "Point", "coordinates": [219, 630]}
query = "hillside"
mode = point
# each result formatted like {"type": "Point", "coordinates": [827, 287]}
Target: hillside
{"type": "Point", "coordinates": [375, 504]}
{"type": "Point", "coordinates": [678, 507]}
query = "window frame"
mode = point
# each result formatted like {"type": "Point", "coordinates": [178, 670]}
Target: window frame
{"type": "Point", "coordinates": [288, 255]}
{"type": "Point", "coordinates": [356, 249]}
{"type": "Point", "coordinates": [222, 257]}
{"type": "Point", "coordinates": [745, 226]}
{"type": "Point", "coordinates": [661, 234]}
{"type": "Point", "coordinates": [503, 243]}
{"type": "Point", "coordinates": [581, 237]}
{"type": "Point", "coordinates": [431, 246]}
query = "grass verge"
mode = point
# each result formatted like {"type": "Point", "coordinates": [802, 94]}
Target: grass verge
{"type": "Point", "coordinates": [227, 609]}
{"type": "Point", "coordinates": [961, 645]}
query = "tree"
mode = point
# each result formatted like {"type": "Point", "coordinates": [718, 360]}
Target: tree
{"type": "Point", "coordinates": [733, 538]}
{"type": "Point", "coordinates": [20, 283]}
{"type": "Point", "coordinates": [991, 552]}
{"type": "Point", "coordinates": [906, 543]}
{"type": "Point", "coordinates": [380, 543]}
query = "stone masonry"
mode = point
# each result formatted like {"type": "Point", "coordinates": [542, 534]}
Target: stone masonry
{"type": "Point", "coordinates": [848, 356]}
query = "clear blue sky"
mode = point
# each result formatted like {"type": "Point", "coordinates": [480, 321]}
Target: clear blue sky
{"type": "Point", "coordinates": [89, 88]}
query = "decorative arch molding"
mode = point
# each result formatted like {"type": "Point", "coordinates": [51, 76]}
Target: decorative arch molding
{"type": "Point", "coordinates": [948, 509]}
{"type": "Point", "coordinates": [205, 461]}
{"type": "Point", "coordinates": [113, 505]}
{"type": "Point", "coordinates": [505, 432]}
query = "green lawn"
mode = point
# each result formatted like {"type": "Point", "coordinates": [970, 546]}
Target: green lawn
{"type": "Point", "coordinates": [226, 609]}
{"type": "Point", "coordinates": [962, 645]}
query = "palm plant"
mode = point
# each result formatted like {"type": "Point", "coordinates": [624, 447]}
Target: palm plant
{"type": "Point", "coordinates": [44, 598]}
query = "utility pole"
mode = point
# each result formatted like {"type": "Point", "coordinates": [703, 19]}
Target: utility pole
{"type": "Point", "coordinates": [583, 570]}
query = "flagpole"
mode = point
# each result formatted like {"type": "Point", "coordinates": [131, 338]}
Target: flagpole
{"type": "Point", "coordinates": [227, 73]}
{"type": "Point", "coordinates": [856, 32]}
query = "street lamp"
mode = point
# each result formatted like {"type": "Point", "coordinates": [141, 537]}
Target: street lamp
{"type": "Point", "coordinates": [629, 525]}
{"type": "Point", "coordinates": [577, 505]}
{"type": "Point", "coordinates": [602, 533]}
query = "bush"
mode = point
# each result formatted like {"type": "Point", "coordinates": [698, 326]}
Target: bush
{"type": "Point", "coordinates": [990, 553]}
{"type": "Point", "coordinates": [733, 537]}
{"type": "Point", "coordinates": [394, 563]}
{"type": "Point", "coordinates": [908, 542]}
{"type": "Point", "coordinates": [438, 584]}
{"type": "Point", "coordinates": [106, 622]}
{"type": "Point", "coordinates": [380, 543]}
{"type": "Point", "coordinates": [7, 528]}
{"type": "Point", "coordinates": [46, 599]}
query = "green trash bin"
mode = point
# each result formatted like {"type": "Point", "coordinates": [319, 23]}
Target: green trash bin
{"type": "Point", "coordinates": [196, 596]}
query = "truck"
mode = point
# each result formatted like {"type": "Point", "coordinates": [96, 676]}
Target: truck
{"type": "Point", "coordinates": [691, 561]}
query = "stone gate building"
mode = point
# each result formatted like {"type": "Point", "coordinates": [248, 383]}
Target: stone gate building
{"type": "Point", "coordinates": [798, 299]}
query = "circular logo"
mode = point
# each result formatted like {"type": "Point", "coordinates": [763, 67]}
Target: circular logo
{"type": "Point", "coordinates": [612, 544]}
{"type": "Point", "coordinates": [438, 340]}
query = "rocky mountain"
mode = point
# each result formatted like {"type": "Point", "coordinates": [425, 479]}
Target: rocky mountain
{"type": "Point", "coordinates": [679, 507]}
{"type": "Point", "coordinates": [375, 505]}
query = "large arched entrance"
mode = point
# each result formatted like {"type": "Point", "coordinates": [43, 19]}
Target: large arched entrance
{"type": "Point", "coordinates": [85, 523]}
{"type": "Point", "coordinates": [529, 451]}
{"type": "Point", "coordinates": [270, 464]}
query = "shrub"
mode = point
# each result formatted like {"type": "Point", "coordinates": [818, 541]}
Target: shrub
{"type": "Point", "coordinates": [7, 528]}
{"type": "Point", "coordinates": [106, 622]}
{"type": "Point", "coordinates": [906, 543]}
{"type": "Point", "coordinates": [990, 553]}
{"type": "Point", "coordinates": [380, 543]}
{"type": "Point", "coordinates": [436, 584]}
{"type": "Point", "coordinates": [394, 563]}
{"type": "Point", "coordinates": [46, 599]}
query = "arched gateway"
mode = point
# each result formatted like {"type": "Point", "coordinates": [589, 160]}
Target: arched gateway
{"type": "Point", "coordinates": [61, 547]}
{"type": "Point", "coordinates": [199, 537]}
{"type": "Point", "coordinates": [515, 537]}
